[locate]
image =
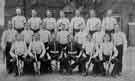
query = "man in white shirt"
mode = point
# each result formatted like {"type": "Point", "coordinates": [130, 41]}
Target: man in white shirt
{"type": "Point", "coordinates": [8, 37]}
{"type": "Point", "coordinates": [93, 23]}
{"type": "Point", "coordinates": [19, 51]}
{"type": "Point", "coordinates": [77, 23]}
{"type": "Point", "coordinates": [18, 21]}
{"type": "Point", "coordinates": [109, 22]}
{"type": "Point", "coordinates": [49, 22]}
{"type": "Point", "coordinates": [63, 21]}
{"type": "Point", "coordinates": [35, 22]}
{"type": "Point", "coordinates": [120, 41]}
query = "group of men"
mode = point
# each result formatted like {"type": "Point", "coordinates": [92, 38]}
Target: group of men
{"type": "Point", "coordinates": [38, 43]}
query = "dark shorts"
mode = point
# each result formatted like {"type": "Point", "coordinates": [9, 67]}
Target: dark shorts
{"type": "Point", "coordinates": [35, 30]}
{"type": "Point", "coordinates": [92, 32]}
{"type": "Point", "coordinates": [106, 58]}
{"type": "Point", "coordinates": [19, 30]}
{"type": "Point", "coordinates": [54, 56]}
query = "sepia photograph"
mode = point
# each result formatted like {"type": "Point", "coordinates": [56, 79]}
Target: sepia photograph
{"type": "Point", "coordinates": [67, 40]}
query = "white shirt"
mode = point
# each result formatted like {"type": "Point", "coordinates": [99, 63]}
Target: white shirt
{"type": "Point", "coordinates": [49, 23]}
{"type": "Point", "coordinates": [109, 23]}
{"type": "Point", "coordinates": [98, 36]}
{"type": "Point", "coordinates": [35, 22]}
{"type": "Point", "coordinates": [18, 21]}
{"type": "Point", "coordinates": [62, 37]}
{"type": "Point", "coordinates": [8, 36]}
{"type": "Point", "coordinates": [18, 48]}
{"type": "Point", "coordinates": [44, 35]}
{"type": "Point", "coordinates": [80, 37]}
{"type": "Point", "coordinates": [119, 38]}
{"type": "Point", "coordinates": [36, 47]}
{"type": "Point", "coordinates": [77, 23]}
{"type": "Point", "coordinates": [27, 35]}
{"type": "Point", "coordinates": [63, 21]}
{"type": "Point", "coordinates": [107, 48]}
{"type": "Point", "coordinates": [93, 23]}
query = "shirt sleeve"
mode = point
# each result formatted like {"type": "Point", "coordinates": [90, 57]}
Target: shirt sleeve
{"type": "Point", "coordinates": [115, 52]}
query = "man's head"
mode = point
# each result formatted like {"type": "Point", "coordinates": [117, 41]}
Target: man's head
{"type": "Point", "coordinates": [106, 38]}
{"type": "Point", "coordinates": [27, 27]}
{"type": "Point", "coordinates": [48, 13]}
{"type": "Point", "coordinates": [18, 11]}
{"type": "Point", "coordinates": [117, 28]}
{"type": "Point", "coordinates": [92, 13]}
{"type": "Point", "coordinates": [77, 13]}
{"type": "Point", "coordinates": [34, 13]}
{"type": "Point", "coordinates": [9, 24]}
{"type": "Point", "coordinates": [62, 14]}
{"type": "Point", "coordinates": [109, 12]}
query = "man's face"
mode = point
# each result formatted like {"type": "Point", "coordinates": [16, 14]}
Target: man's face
{"type": "Point", "coordinates": [77, 13]}
{"type": "Point", "coordinates": [106, 37]}
{"type": "Point", "coordinates": [92, 13]}
{"type": "Point", "coordinates": [49, 14]}
{"type": "Point", "coordinates": [34, 13]}
{"type": "Point", "coordinates": [18, 11]}
{"type": "Point", "coordinates": [62, 14]}
{"type": "Point", "coordinates": [117, 28]}
{"type": "Point", "coordinates": [109, 13]}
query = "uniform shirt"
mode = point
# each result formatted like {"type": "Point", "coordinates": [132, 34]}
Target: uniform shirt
{"type": "Point", "coordinates": [35, 22]}
{"type": "Point", "coordinates": [44, 35]}
{"type": "Point", "coordinates": [73, 48]}
{"type": "Point", "coordinates": [18, 48]}
{"type": "Point", "coordinates": [8, 36]}
{"type": "Point", "coordinates": [109, 23]}
{"type": "Point", "coordinates": [54, 47]}
{"type": "Point", "coordinates": [50, 23]}
{"type": "Point", "coordinates": [107, 49]}
{"type": "Point", "coordinates": [119, 38]}
{"type": "Point", "coordinates": [80, 37]}
{"type": "Point", "coordinates": [62, 37]}
{"type": "Point", "coordinates": [27, 35]}
{"type": "Point", "coordinates": [36, 47]}
{"type": "Point", "coordinates": [98, 36]}
{"type": "Point", "coordinates": [77, 23]}
{"type": "Point", "coordinates": [18, 21]}
{"type": "Point", "coordinates": [63, 22]}
{"type": "Point", "coordinates": [93, 23]}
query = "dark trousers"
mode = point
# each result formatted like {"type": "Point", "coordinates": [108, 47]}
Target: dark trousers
{"type": "Point", "coordinates": [19, 30]}
{"type": "Point", "coordinates": [98, 67]}
{"type": "Point", "coordinates": [119, 57]}
{"type": "Point", "coordinates": [8, 57]}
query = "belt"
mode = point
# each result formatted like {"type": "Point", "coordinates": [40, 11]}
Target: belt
{"type": "Point", "coordinates": [54, 52]}
{"type": "Point", "coordinates": [74, 52]}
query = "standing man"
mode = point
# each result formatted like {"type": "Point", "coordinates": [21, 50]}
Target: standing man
{"type": "Point", "coordinates": [63, 22]}
{"type": "Point", "coordinates": [35, 22]}
{"type": "Point", "coordinates": [120, 41]}
{"type": "Point", "coordinates": [18, 21]}
{"type": "Point", "coordinates": [108, 23]}
{"type": "Point", "coordinates": [93, 23]}
{"type": "Point", "coordinates": [49, 22]}
{"type": "Point", "coordinates": [8, 37]}
{"type": "Point", "coordinates": [77, 23]}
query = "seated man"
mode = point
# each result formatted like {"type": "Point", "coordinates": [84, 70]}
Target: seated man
{"type": "Point", "coordinates": [90, 54]}
{"type": "Point", "coordinates": [73, 53]}
{"type": "Point", "coordinates": [18, 52]}
{"type": "Point", "coordinates": [54, 49]}
{"type": "Point", "coordinates": [36, 52]}
{"type": "Point", "coordinates": [108, 54]}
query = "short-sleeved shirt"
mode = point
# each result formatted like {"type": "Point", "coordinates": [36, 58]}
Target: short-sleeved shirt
{"type": "Point", "coordinates": [93, 24]}
{"type": "Point", "coordinates": [18, 21]}
{"type": "Point", "coordinates": [44, 36]}
{"type": "Point", "coordinates": [50, 23]}
{"type": "Point", "coordinates": [35, 22]}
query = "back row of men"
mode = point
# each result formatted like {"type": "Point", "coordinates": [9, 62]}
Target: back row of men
{"type": "Point", "coordinates": [48, 39]}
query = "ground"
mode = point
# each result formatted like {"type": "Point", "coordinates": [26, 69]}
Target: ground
{"type": "Point", "coordinates": [127, 75]}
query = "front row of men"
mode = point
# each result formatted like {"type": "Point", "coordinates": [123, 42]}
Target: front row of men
{"type": "Point", "coordinates": [101, 50]}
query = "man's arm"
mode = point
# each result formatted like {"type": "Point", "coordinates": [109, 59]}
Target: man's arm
{"type": "Point", "coordinates": [12, 51]}
{"type": "Point", "coordinates": [43, 50]}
